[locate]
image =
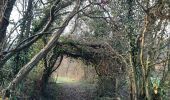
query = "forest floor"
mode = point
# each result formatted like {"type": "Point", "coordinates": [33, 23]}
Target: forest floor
{"type": "Point", "coordinates": [70, 91]}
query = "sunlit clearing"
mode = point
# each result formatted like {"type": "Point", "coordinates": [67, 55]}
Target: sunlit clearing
{"type": "Point", "coordinates": [65, 80]}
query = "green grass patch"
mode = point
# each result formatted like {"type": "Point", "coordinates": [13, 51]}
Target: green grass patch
{"type": "Point", "coordinates": [64, 80]}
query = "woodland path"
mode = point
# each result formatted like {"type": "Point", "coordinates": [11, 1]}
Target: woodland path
{"type": "Point", "coordinates": [71, 91]}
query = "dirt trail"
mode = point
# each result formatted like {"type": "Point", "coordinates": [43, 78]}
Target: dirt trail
{"type": "Point", "coordinates": [71, 91]}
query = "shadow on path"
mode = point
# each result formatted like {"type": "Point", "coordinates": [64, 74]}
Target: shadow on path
{"type": "Point", "coordinates": [70, 91]}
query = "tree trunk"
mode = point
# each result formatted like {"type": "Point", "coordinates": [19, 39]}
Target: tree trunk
{"type": "Point", "coordinates": [7, 6]}
{"type": "Point", "coordinates": [147, 89]}
{"type": "Point", "coordinates": [133, 85]}
{"type": "Point", "coordinates": [44, 80]}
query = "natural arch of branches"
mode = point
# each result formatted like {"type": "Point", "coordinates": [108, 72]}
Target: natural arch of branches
{"type": "Point", "coordinates": [107, 62]}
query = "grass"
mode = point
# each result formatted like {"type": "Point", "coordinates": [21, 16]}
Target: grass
{"type": "Point", "coordinates": [65, 80]}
